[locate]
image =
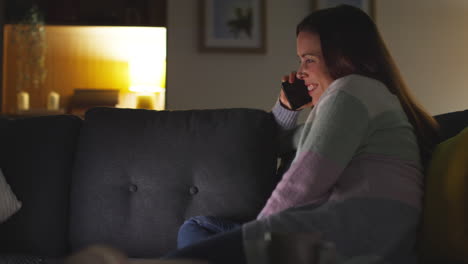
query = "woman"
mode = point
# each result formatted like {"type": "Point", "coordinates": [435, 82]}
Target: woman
{"type": "Point", "coordinates": [357, 177]}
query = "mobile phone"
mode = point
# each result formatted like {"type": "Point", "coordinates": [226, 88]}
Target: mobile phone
{"type": "Point", "coordinates": [296, 93]}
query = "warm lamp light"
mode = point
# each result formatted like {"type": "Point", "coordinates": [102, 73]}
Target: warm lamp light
{"type": "Point", "coordinates": [131, 59]}
{"type": "Point", "coordinates": [147, 75]}
{"type": "Point", "coordinates": [146, 89]}
{"type": "Point", "coordinates": [148, 80]}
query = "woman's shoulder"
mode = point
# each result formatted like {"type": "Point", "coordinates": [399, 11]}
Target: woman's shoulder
{"type": "Point", "coordinates": [358, 84]}
{"type": "Point", "coordinates": [371, 93]}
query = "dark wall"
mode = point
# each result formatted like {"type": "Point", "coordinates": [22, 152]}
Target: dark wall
{"type": "Point", "coordinates": [92, 12]}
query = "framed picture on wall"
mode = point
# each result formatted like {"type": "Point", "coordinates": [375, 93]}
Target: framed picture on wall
{"type": "Point", "coordinates": [232, 26]}
{"type": "Point", "coordinates": [367, 6]}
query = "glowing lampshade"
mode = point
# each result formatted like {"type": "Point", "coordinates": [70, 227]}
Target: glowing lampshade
{"type": "Point", "coordinates": [147, 70]}
{"type": "Point", "coordinates": [148, 80]}
{"type": "Point", "coordinates": [147, 76]}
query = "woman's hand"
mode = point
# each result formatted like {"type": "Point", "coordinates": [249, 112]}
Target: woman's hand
{"type": "Point", "coordinates": [283, 99]}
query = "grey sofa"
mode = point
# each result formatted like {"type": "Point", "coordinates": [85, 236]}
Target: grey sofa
{"type": "Point", "coordinates": [129, 178]}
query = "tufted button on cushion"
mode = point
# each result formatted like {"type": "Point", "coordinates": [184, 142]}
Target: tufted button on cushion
{"type": "Point", "coordinates": [193, 190]}
{"type": "Point", "coordinates": [133, 188]}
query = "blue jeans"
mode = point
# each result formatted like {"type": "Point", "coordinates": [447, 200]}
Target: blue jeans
{"type": "Point", "coordinates": [199, 228]}
{"type": "Point", "coordinates": [223, 248]}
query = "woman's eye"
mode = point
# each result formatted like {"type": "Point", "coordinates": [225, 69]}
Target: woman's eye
{"type": "Point", "coordinates": [307, 61]}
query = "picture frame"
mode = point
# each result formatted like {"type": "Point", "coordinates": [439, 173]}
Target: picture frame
{"type": "Point", "coordinates": [232, 26]}
{"type": "Point", "coordinates": [367, 6]}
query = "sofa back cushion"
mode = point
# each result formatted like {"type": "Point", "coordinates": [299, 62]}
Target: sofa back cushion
{"type": "Point", "coordinates": [139, 174]}
{"type": "Point", "coordinates": [452, 123]}
{"type": "Point", "coordinates": [36, 158]}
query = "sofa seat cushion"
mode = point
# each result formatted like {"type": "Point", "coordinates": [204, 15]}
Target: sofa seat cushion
{"type": "Point", "coordinates": [444, 234]}
{"type": "Point", "coordinates": [139, 174]}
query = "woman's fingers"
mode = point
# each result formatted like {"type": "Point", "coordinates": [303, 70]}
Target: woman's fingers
{"type": "Point", "coordinates": [292, 77]}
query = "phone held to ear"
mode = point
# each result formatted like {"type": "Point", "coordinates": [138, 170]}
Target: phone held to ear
{"type": "Point", "coordinates": [296, 93]}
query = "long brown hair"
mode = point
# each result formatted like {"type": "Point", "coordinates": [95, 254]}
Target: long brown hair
{"type": "Point", "coordinates": [351, 44]}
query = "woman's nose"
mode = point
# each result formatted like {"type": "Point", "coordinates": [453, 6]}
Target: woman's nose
{"type": "Point", "coordinates": [300, 75]}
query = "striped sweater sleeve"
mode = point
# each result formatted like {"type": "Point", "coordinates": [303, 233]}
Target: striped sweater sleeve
{"type": "Point", "coordinates": [288, 129]}
{"type": "Point", "coordinates": [285, 118]}
{"type": "Point", "coordinates": [328, 141]}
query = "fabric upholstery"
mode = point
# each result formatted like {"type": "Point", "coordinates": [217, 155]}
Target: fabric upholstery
{"type": "Point", "coordinates": [9, 204]}
{"type": "Point", "coordinates": [177, 164]}
{"type": "Point", "coordinates": [36, 156]}
{"type": "Point", "coordinates": [445, 219]}
{"type": "Point", "coordinates": [452, 123]}
{"type": "Point", "coordinates": [139, 174]}
{"type": "Point", "coordinates": [21, 259]}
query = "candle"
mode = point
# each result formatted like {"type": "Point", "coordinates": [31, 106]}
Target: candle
{"type": "Point", "coordinates": [23, 101]}
{"type": "Point", "coordinates": [53, 101]}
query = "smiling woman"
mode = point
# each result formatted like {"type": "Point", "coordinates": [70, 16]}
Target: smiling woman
{"type": "Point", "coordinates": [358, 160]}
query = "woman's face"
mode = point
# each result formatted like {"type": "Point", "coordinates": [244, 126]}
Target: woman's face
{"type": "Point", "coordinates": [312, 67]}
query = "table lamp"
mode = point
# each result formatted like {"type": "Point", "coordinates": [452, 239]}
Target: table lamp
{"type": "Point", "coordinates": [148, 81]}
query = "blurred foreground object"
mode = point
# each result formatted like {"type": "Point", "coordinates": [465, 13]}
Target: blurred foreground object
{"type": "Point", "coordinates": [98, 254]}
{"type": "Point", "coordinates": [101, 254]}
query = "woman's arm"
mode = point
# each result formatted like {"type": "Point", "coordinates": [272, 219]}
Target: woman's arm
{"type": "Point", "coordinates": [287, 128]}
{"type": "Point", "coordinates": [330, 139]}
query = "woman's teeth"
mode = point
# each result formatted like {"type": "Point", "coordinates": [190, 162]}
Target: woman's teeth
{"type": "Point", "coordinates": [311, 87]}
